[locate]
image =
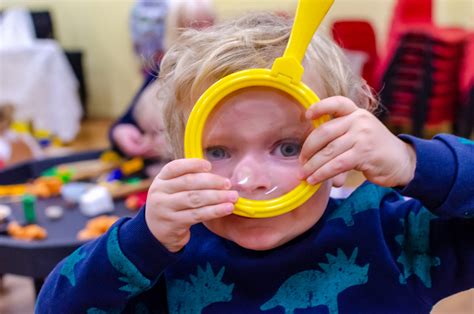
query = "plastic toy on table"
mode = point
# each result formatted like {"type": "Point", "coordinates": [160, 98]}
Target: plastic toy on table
{"type": "Point", "coordinates": [119, 189]}
{"type": "Point", "coordinates": [37, 258]}
{"type": "Point", "coordinates": [136, 200]}
{"type": "Point", "coordinates": [43, 187]}
{"type": "Point", "coordinates": [88, 169]}
{"type": "Point", "coordinates": [132, 166]}
{"type": "Point", "coordinates": [96, 201]}
{"type": "Point", "coordinates": [28, 232]}
{"type": "Point", "coordinates": [285, 75]}
{"type": "Point", "coordinates": [96, 227]}
{"type": "Point", "coordinates": [84, 169]}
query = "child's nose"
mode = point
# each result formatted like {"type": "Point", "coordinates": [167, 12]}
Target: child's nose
{"type": "Point", "coordinates": [250, 176]}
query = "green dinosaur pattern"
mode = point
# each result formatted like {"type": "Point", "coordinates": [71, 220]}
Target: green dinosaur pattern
{"type": "Point", "coordinates": [140, 308]}
{"type": "Point", "coordinates": [311, 288]}
{"type": "Point", "coordinates": [466, 141]}
{"type": "Point", "coordinates": [135, 281]}
{"type": "Point", "coordinates": [364, 198]}
{"type": "Point", "coordinates": [94, 310]}
{"type": "Point", "coordinates": [203, 289]}
{"type": "Point", "coordinates": [68, 266]}
{"type": "Point", "coordinates": [415, 243]}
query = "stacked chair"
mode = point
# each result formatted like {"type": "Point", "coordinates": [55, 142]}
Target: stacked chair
{"type": "Point", "coordinates": [358, 35]}
{"type": "Point", "coordinates": [420, 84]}
{"type": "Point", "coordinates": [420, 76]}
{"type": "Point", "coordinates": [466, 117]}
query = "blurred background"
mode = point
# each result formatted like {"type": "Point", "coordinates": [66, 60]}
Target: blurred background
{"type": "Point", "coordinates": [69, 69]}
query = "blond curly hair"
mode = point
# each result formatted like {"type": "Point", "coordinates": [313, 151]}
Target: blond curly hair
{"type": "Point", "coordinates": [199, 58]}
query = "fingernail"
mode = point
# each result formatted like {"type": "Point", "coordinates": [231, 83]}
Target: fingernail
{"type": "Point", "coordinates": [229, 208]}
{"type": "Point", "coordinates": [234, 196]}
{"type": "Point", "coordinates": [311, 180]}
{"type": "Point", "coordinates": [227, 184]}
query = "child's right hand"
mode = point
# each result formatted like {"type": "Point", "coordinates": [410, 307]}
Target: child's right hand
{"type": "Point", "coordinates": [185, 193]}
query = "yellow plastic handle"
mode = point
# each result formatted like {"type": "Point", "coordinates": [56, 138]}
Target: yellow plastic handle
{"type": "Point", "coordinates": [309, 15]}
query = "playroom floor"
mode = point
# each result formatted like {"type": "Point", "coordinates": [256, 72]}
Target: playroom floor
{"type": "Point", "coordinates": [17, 294]}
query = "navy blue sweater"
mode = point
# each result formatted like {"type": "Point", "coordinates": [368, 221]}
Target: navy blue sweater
{"type": "Point", "coordinates": [374, 252]}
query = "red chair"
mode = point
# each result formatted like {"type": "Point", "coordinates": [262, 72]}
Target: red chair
{"type": "Point", "coordinates": [466, 114]}
{"type": "Point", "coordinates": [410, 12]}
{"type": "Point", "coordinates": [358, 36]}
{"type": "Point", "coordinates": [406, 13]}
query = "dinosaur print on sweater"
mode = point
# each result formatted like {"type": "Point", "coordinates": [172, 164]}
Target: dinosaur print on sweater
{"type": "Point", "coordinates": [415, 243]}
{"type": "Point", "coordinates": [311, 288]}
{"type": "Point", "coordinates": [130, 275]}
{"type": "Point", "coordinates": [368, 196]}
{"type": "Point", "coordinates": [203, 289]}
{"type": "Point", "coordinates": [69, 265]}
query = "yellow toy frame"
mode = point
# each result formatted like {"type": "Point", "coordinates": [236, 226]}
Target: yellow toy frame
{"type": "Point", "coordinates": [285, 75]}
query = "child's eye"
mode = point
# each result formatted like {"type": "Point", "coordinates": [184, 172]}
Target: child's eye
{"type": "Point", "coordinates": [216, 153]}
{"type": "Point", "coordinates": [287, 149]}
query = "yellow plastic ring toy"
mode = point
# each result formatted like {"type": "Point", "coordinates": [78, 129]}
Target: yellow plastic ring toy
{"type": "Point", "coordinates": [285, 75]}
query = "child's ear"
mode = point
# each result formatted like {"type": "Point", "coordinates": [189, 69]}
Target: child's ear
{"type": "Point", "coordinates": [339, 180]}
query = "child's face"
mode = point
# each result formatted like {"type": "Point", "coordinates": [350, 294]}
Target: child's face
{"type": "Point", "coordinates": [254, 139]}
{"type": "Point", "coordinates": [149, 118]}
{"type": "Point", "coordinates": [154, 138]}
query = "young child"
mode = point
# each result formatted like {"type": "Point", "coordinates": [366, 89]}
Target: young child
{"type": "Point", "coordinates": [374, 252]}
{"type": "Point", "coordinates": [146, 139]}
{"type": "Point", "coordinates": [149, 116]}
{"type": "Point", "coordinates": [126, 135]}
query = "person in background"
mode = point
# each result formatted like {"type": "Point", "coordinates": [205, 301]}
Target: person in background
{"type": "Point", "coordinates": [150, 37]}
{"type": "Point", "coordinates": [153, 143]}
{"type": "Point", "coordinates": [148, 28]}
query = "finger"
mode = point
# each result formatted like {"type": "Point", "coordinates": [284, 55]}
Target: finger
{"type": "Point", "coordinates": [201, 198]}
{"type": "Point", "coordinates": [194, 181]}
{"type": "Point", "coordinates": [322, 136]}
{"type": "Point", "coordinates": [194, 216]}
{"type": "Point", "coordinates": [342, 163]}
{"type": "Point", "coordinates": [336, 106]}
{"type": "Point", "coordinates": [335, 148]}
{"type": "Point", "coordinates": [180, 167]}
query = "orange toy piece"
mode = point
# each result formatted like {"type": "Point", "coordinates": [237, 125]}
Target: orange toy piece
{"type": "Point", "coordinates": [45, 187]}
{"type": "Point", "coordinates": [110, 157]}
{"type": "Point", "coordinates": [96, 227]}
{"type": "Point", "coordinates": [12, 190]}
{"type": "Point", "coordinates": [42, 187]}
{"type": "Point", "coordinates": [29, 232]}
{"type": "Point", "coordinates": [131, 166]}
{"type": "Point", "coordinates": [135, 201]}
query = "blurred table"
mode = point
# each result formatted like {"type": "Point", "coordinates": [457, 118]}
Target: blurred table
{"type": "Point", "coordinates": [36, 259]}
{"type": "Point", "coordinates": [39, 82]}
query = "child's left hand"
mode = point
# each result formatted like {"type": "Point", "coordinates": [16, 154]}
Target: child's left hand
{"type": "Point", "coordinates": [354, 139]}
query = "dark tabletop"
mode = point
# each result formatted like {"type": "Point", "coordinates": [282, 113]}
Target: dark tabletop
{"type": "Point", "coordinates": [37, 258]}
